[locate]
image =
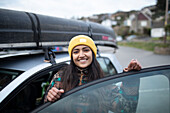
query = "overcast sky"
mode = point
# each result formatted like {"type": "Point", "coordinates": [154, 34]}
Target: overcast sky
{"type": "Point", "coordinates": [75, 8]}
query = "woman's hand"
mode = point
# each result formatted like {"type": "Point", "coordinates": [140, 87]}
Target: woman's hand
{"type": "Point", "coordinates": [133, 65]}
{"type": "Point", "coordinates": [54, 94]}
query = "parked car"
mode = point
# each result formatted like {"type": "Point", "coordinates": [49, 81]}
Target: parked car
{"type": "Point", "coordinates": [26, 41]}
{"type": "Point", "coordinates": [119, 38]}
{"type": "Point", "coordinates": [24, 78]}
{"type": "Point", "coordinates": [153, 88]}
{"type": "Point", "coordinates": [131, 37]}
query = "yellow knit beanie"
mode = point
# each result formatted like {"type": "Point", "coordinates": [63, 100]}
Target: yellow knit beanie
{"type": "Point", "coordinates": [82, 40]}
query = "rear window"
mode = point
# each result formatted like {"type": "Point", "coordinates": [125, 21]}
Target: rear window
{"type": "Point", "coordinates": [7, 76]}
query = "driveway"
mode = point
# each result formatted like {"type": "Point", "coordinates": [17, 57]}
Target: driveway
{"type": "Point", "coordinates": [146, 58]}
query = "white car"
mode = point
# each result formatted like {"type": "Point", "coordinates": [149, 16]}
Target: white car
{"type": "Point", "coordinates": [26, 41]}
{"type": "Point", "coordinates": [24, 78]}
{"type": "Point", "coordinates": [131, 37]}
{"type": "Point", "coordinates": [119, 38]}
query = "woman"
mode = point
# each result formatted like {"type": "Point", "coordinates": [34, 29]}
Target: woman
{"type": "Point", "coordinates": [82, 69]}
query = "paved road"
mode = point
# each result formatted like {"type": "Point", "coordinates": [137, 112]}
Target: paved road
{"type": "Point", "coordinates": [146, 58]}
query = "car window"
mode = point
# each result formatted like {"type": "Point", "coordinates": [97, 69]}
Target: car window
{"type": "Point", "coordinates": [111, 68]}
{"type": "Point", "coordinates": [7, 76]}
{"type": "Point", "coordinates": [106, 66]}
{"type": "Point", "coordinates": [146, 92]}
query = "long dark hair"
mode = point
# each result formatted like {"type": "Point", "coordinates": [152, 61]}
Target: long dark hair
{"type": "Point", "coordinates": [70, 77]}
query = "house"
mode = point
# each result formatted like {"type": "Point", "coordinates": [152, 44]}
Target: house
{"type": "Point", "coordinates": [149, 10]}
{"type": "Point", "coordinates": [115, 19]}
{"type": "Point", "coordinates": [138, 21]}
{"type": "Point", "coordinates": [131, 22]}
{"type": "Point", "coordinates": [157, 29]}
{"type": "Point", "coordinates": [96, 18]}
{"type": "Point", "coordinates": [143, 21]}
{"type": "Point", "coordinates": [108, 22]}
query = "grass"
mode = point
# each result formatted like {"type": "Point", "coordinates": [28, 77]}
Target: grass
{"type": "Point", "coordinates": [149, 46]}
{"type": "Point", "coordinates": [158, 39]}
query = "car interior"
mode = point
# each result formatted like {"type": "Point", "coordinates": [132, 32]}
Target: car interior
{"type": "Point", "coordinates": [7, 76]}
{"type": "Point", "coordinates": [32, 94]}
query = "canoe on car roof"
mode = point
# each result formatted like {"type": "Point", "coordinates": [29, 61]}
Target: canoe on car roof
{"type": "Point", "coordinates": [28, 30]}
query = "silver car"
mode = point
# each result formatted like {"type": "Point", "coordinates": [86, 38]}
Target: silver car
{"type": "Point", "coordinates": [24, 78]}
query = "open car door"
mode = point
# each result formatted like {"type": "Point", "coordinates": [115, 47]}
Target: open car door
{"type": "Point", "coordinates": [145, 91]}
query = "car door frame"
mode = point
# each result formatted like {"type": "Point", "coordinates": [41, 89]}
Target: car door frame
{"type": "Point", "coordinates": [26, 82]}
{"type": "Point", "coordinates": [119, 75]}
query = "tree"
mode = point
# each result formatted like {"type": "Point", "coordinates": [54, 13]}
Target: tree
{"type": "Point", "coordinates": [122, 30]}
{"type": "Point", "coordinates": [161, 5]}
{"type": "Point", "coordinates": [162, 8]}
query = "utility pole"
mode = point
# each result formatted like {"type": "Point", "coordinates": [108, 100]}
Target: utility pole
{"type": "Point", "coordinates": [166, 19]}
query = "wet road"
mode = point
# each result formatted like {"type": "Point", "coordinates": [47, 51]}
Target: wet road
{"type": "Point", "coordinates": [146, 58]}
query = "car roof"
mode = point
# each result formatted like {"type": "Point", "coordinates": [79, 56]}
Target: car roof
{"type": "Point", "coordinates": [26, 62]}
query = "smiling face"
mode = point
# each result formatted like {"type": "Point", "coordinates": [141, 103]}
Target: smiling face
{"type": "Point", "coordinates": [82, 56]}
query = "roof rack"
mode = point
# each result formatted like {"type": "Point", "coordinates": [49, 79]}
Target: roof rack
{"type": "Point", "coordinates": [18, 52]}
{"type": "Point", "coordinates": [10, 53]}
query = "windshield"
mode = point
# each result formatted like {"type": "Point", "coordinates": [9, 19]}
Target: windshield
{"type": "Point", "coordinates": [7, 76]}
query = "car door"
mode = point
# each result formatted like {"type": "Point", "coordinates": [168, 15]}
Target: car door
{"type": "Point", "coordinates": [145, 91]}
